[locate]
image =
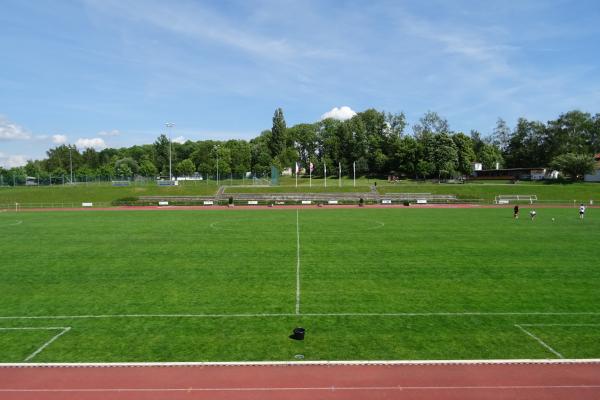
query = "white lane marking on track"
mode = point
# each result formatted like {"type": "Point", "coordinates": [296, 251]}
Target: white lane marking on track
{"type": "Point", "coordinates": [540, 341]}
{"type": "Point", "coordinates": [297, 262]}
{"type": "Point", "coordinates": [262, 315]}
{"type": "Point", "coordinates": [63, 330]}
{"type": "Point", "coordinates": [300, 388]}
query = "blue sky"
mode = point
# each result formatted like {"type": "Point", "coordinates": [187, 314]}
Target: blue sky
{"type": "Point", "coordinates": [111, 72]}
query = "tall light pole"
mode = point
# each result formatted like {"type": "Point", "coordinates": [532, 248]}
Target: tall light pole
{"type": "Point", "coordinates": [217, 151]}
{"type": "Point", "coordinates": [71, 163]}
{"type": "Point", "coordinates": [169, 125]}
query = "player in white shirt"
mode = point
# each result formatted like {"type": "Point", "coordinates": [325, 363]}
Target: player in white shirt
{"type": "Point", "coordinates": [581, 211]}
{"type": "Point", "coordinates": [532, 214]}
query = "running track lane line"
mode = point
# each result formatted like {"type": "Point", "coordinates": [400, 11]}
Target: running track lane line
{"type": "Point", "coordinates": [425, 382]}
{"type": "Point", "coordinates": [298, 388]}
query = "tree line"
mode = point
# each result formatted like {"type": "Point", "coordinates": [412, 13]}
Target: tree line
{"type": "Point", "coordinates": [376, 143]}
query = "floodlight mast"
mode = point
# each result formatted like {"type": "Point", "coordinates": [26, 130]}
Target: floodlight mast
{"type": "Point", "coordinates": [217, 151]}
{"type": "Point", "coordinates": [169, 125]}
{"type": "Point", "coordinates": [71, 164]}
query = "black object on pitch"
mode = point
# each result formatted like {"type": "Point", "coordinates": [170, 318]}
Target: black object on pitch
{"type": "Point", "coordinates": [298, 334]}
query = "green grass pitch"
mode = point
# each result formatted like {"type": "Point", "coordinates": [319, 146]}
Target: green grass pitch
{"type": "Point", "coordinates": [374, 284]}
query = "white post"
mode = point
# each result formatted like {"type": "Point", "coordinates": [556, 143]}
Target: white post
{"type": "Point", "coordinates": [325, 172]}
{"type": "Point", "coordinates": [309, 175]}
{"type": "Point", "coordinates": [71, 163]}
{"type": "Point", "coordinates": [354, 171]}
{"type": "Point", "coordinates": [217, 150]}
{"type": "Point", "coordinates": [296, 171]}
{"type": "Point", "coordinates": [169, 125]}
{"type": "Point", "coordinates": [340, 173]}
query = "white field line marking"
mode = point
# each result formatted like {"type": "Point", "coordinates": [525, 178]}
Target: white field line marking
{"type": "Point", "coordinates": [293, 363]}
{"type": "Point", "coordinates": [17, 222]}
{"type": "Point", "coordinates": [379, 225]}
{"type": "Point", "coordinates": [217, 226]}
{"type": "Point", "coordinates": [300, 388]}
{"type": "Point", "coordinates": [560, 325]}
{"type": "Point", "coordinates": [297, 263]}
{"type": "Point", "coordinates": [540, 341]}
{"type": "Point", "coordinates": [272, 315]}
{"type": "Point", "coordinates": [63, 330]}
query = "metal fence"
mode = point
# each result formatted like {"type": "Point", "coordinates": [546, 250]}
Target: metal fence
{"type": "Point", "coordinates": [63, 180]}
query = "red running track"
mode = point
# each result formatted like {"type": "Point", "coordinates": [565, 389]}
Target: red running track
{"type": "Point", "coordinates": [299, 382]}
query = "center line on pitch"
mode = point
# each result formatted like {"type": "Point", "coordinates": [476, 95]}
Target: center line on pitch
{"type": "Point", "coordinates": [297, 263]}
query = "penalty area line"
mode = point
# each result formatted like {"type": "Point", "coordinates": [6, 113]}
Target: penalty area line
{"type": "Point", "coordinates": [540, 341]}
{"type": "Point", "coordinates": [63, 330]}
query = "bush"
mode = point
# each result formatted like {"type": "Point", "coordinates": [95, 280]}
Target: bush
{"type": "Point", "coordinates": [361, 202]}
{"type": "Point", "coordinates": [125, 200]}
{"type": "Point", "coordinates": [230, 200]}
{"type": "Point", "coordinates": [406, 203]}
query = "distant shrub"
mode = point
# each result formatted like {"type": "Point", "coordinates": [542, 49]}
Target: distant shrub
{"type": "Point", "coordinates": [125, 200]}
{"type": "Point", "coordinates": [406, 203]}
{"type": "Point", "coordinates": [230, 200]}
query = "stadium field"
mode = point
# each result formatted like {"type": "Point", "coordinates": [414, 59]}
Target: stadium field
{"type": "Point", "coordinates": [366, 284]}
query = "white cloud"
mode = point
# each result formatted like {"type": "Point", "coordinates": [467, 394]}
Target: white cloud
{"type": "Point", "coordinates": [59, 139]}
{"type": "Point", "coordinates": [343, 113]}
{"type": "Point", "coordinates": [179, 139]}
{"type": "Point", "coordinates": [11, 161]}
{"type": "Point", "coordinates": [95, 143]}
{"type": "Point", "coordinates": [11, 131]}
{"type": "Point", "coordinates": [114, 132]}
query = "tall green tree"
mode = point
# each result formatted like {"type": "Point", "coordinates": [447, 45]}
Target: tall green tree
{"type": "Point", "coordinates": [147, 169]}
{"type": "Point", "coordinates": [572, 132]}
{"type": "Point", "coordinates": [261, 160]}
{"type": "Point", "coordinates": [305, 139]}
{"type": "Point", "coordinates": [131, 164]}
{"type": "Point", "coordinates": [501, 136]}
{"type": "Point", "coordinates": [444, 155]}
{"type": "Point", "coordinates": [61, 157]}
{"type": "Point", "coordinates": [395, 125]}
{"type": "Point", "coordinates": [278, 137]}
{"type": "Point", "coordinates": [574, 165]}
{"type": "Point", "coordinates": [185, 168]}
{"type": "Point", "coordinates": [431, 123]}
{"type": "Point", "coordinates": [489, 155]}
{"type": "Point", "coordinates": [465, 153]}
{"type": "Point", "coordinates": [241, 156]}
{"type": "Point", "coordinates": [161, 154]}
{"type": "Point", "coordinates": [527, 145]}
